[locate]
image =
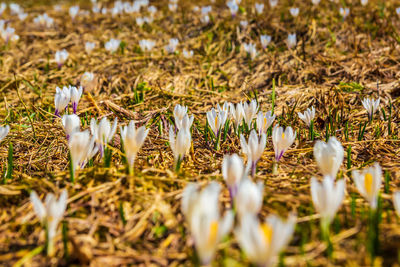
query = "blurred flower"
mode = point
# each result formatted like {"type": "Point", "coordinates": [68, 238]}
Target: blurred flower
{"type": "Point", "coordinates": [44, 20]}
{"type": "Point", "coordinates": [244, 24]}
{"type": "Point", "coordinates": [233, 170]}
{"type": "Point", "coordinates": [152, 10]}
{"type": "Point", "coordinates": [233, 7]}
{"type": "Point", "coordinates": [262, 243]}
{"type": "Point", "coordinates": [344, 12]}
{"type": "Point", "coordinates": [22, 16]}
{"type": "Point", "coordinates": [237, 114]}
{"type": "Point", "coordinates": [3, 7]}
{"type": "Point", "coordinates": [205, 224]}
{"type": "Point", "coordinates": [291, 40]}
{"type": "Point", "coordinates": [180, 144]}
{"type": "Point", "coordinates": [76, 94]}
{"type": "Point", "coordinates": [265, 40]}
{"type": "Point", "coordinates": [249, 197]}
{"type": "Point", "coordinates": [250, 49]}
{"type": "Point", "coordinates": [371, 106]}
{"type": "Point", "coordinates": [103, 132]}
{"type": "Point", "coordinates": [259, 8]}
{"type": "Point", "coordinates": [368, 182]}
{"type": "Point", "coordinates": [187, 54]}
{"type": "Point", "coordinates": [81, 148]}
{"type": "Point", "coordinates": [87, 79]}
{"type": "Point", "coordinates": [329, 156]}
{"type": "Point", "coordinates": [8, 34]}
{"type": "Point", "coordinates": [398, 11]}
{"type": "Point", "coordinates": [171, 47]}
{"type": "Point", "coordinates": [294, 11]}
{"type": "Point", "coordinates": [253, 149]}
{"type": "Point", "coordinates": [308, 116]}
{"type": "Point", "coordinates": [273, 3]}
{"type": "Point", "coordinates": [216, 120]}
{"type": "Point", "coordinates": [60, 57]}
{"type": "Point", "coordinates": [71, 123]}
{"type": "Point", "coordinates": [89, 46]}
{"type": "Point", "coordinates": [73, 11]}
{"type": "Point", "coordinates": [264, 122]}
{"type": "Point", "coordinates": [315, 2]}
{"type": "Point", "coordinates": [112, 45]}
{"type": "Point", "coordinates": [61, 99]}
{"type": "Point", "coordinates": [15, 8]}
{"type": "Point", "coordinates": [282, 140]}
{"type": "Point", "coordinates": [146, 45]}
{"type": "Point", "coordinates": [182, 119]}
{"type": "Point", "coordinates": [4, 132]}
{"type": "Point", "coordinates": [364, 2]}
{"type": "Point", "coordinates": [396, 202]}
{"type": "Point", "coordinates": [250, 111]}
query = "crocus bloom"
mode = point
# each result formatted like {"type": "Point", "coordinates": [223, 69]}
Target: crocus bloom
{"type": "Point", "coordinates": [307, 116]}
{"type": "Point", "coordinates": [294, 11]}
{"type": "Point", "coordinates": [368, 182]}
{"type": "Point", "coordinates": [61, 99]}
{"type": "Point", "coordinates": [172, 7]}
{"type": "Point", "coordinates": [89, 46]}
{"type": "Point", "coordinates": [205, 224]}
{"type": "Point", "coordinates": [50, 214]}
{"type": "Point", "coordinates": [237, 114]}
{"type": "Point", "coordinates": [259, 8]}
{"type": "Point", "coordinates": [398, 11]}
{"type": "Point", "coordinates": [171, 47]}
{"type": "Point", "coordinates": [180, 144]}
{"type": "Point", "coordinates": [73, 11]}
{"type": "Point", "coordinates": [75, 97]}
{"type": "Point", "coordinates": [112, 45]}
{"type": "Point", "coordinates": [233, 7]}
{"type": "Point", "coordinates": [133, 140]}
{"type": "Point", "coordinates": [216, 120]}
{"type": "Point", "coordinates": [71, 123]}
{"type": "Point", "coordinates": [179, 113]}
{"type": "Point", "coordinates": [4, 132]}
{"type": "Point", "coordinates": [244, 24]}
{"type": "Point", "coordinates": [282, 140]}
{"type": "Point", "coordinates": [8, 34]}
{"type": "Point", "coordinates": [291, 40]}
{"type": "Point", "coordinates": [371, 106]}
{"type": "Point", "coordinates": [146, 45]}
{"type": "Point", "coordinates": [364, 2]}
{"type": "Point", "coordinates": [81, 148]}
{"type": "Point", "coordinates": [87, 79]}
{"type": "Point", "coordinates": [315, 2]}
{"type": "Point", "coordinates": [250, 111]}
{"type": "Point", "coordinates": [396, 202]}
{"type": "Point", "coordinates": [254, 148]}
{"type": "Point", "coordinates": [249, 197]}
{"type": "Point", "coordinates": [262, 243]}
{"type": "Point", "coordinates": [61, 57]}
{"type": "Point", "coordinates": [329, 156]}
{"type": "Point", "coordinates": [265, 40]}
{"type": "Point", "coordinates": [273, 3]}
{"type": "Point", "coordinates": [250, 50]}
{"type": "Point", "coordinates": [264, 122]}
{"type": "Point", "coordinates": [327, 197]}
{"type": "Point", "coordinates": [344, 12]}
{"type": "Point", "coordinates": [225, 107]}
{"type": "Point", "coordinates": [233, 170]}
{"type": "Point", "coordinates": [187, 54]}
{"type": "Point", "coordinates": [103, 132]}
{"type": "Point", "coordinates": [3, 7]}
{"type": "Point", "coordinates": [44, 20]}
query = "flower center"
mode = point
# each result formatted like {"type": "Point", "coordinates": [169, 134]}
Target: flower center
{"type": "Point", "coordinates": [265, 122]}
{"type": "Point", "coordinates": [368, 179]}
{"type": "Point", "coordinates": [216, 122]}
{"type": "Point", "coordinates": [267, 232]}
{"type": "Point", "coordinates": [213, 233]}
{"type": "Point", "coordinates": [283, 135]}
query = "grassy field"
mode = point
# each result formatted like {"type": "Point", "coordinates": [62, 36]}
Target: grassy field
{"type": "Point", "coordinates": [117, 219]}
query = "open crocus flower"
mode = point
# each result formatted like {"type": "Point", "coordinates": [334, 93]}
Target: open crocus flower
{"type": "Point", "coordinates": [216, 120]}
{"type": "Point", "coordinates": [61, 57]}
{"type": "Point", "coordinates": [179, 112]}
{"type": "Point", "coordinates": [3, 7]}
{"type": "Point", "coordinates": [82, 149]}
{"type": "Point", "coordinates": [396, 202]}
{"type": "Point", "coordinates": [112, 45]}
{"type": "Point", "coordinates": [371, 106]}
{"type": "Point", "coordinates": [205, 224]}
{"type": "Point", "coordinates": [4, 132]}
{"type": "Point", "coordinates": [273, 3]}
{"type": "Point", "coordinates": [307, 116]}
{"type": "Point", "coordinates": [225, 107]}
{"type": "Point", "coordinates": [180, 145]}
{"type": "Point", "coordinates": [8, 34]}
{"type": "Point", "coordinates": [89, 46]}
{"type": "Point", "coordinates": [146, 45]}
{"type": "Point", "coordinates": [315, 2]}
{"type": "Point", "coordinates": [133, 140]}
{"type": "Point", "coordinates": [291, 40]}
{"type": "Point", "coordinates": [259, 8]}
{"type": "Point", "coordinates": [87, 79]}
{"type": "Point", "coordinates": [265, 40]}
{"type": "Point", "coordinates": [294, 11]}
{"type": "Point", "coordinates": [262, 243]}
{"type": "Point", "coordinates": [282, 140]}
{"type": "Point", "coordinates": [253, 149]}
{"type": "Point", "coordinates": [233, 170]}
{"type": "Point", "coordinates": [50, 214]}
{"type": "Point", "coordinates": [187, 54]}
{"type": "Point", "coordinates": [364, 2]}
{"type": "Point", "coordinates": [250, 111]}
{"type": "Point", "coordinates": [103, 132]}
{"type": "Point", "coordinates": [73, 11]}
{"type": "Point", "coordinates": [61, 99]}
{"type": "Point", "coordinates": [264, 122]}
{"type": "Point", "coordinates": [249, 197]}
{"type": "Point", "coordinates": [233, 7]}
{"type": "Point", "coordinates": [368, 182]}
{"type": "Point", "coordinates": [344, 12]}
{"type": "Point", "coordinates": [250, 49]}
{"type": "Point", "coordinates": [44, 20]}
{"type": "Point", "coordinates": [237, 114]}
{"type": "Point", "coordinates": [329, 156]}
{"type": "Point", "coordinates": [327, 198]}
{"type": "Point", "coordinates": [71, 123]}
{"type": "Point", "coordinates": [171, 47]}
{"type": "Point", "coordinates": [75, 96]}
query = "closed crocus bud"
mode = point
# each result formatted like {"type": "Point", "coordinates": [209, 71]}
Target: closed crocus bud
{"type": "Point", "coordinates": [264, 122]}
{"type": "Point", "coordinates": [329, 156]}
{"type": "Point", "coordinates": [186, 122]}
{"type": "Point", "coordinates": [371, 106]}
{"type": "Point", "coordinates": [133, 140]}
{"type": "Point", "coordinates": [249, 197]}
{"type": "Point", "coordinates": [76, 94]}
{"type": "Point", "coordinates": [396, 202]}
{"type": "Point", "coordinates": [103, 132]}
{"type": "Point", "coordinates": [364, 2]}
{"type": "Point", "coordinates": [265, 40]}
{"type": "Point", "coordinates": [181, 117]}
{"type": "Point", "coordinates": [254, 148]}
{"type": "Point", "coordinates": [237, 114]}
{"type": "Point", "coordinates": [180, 144]}
{"type": "Point", "coordinates": [282, 140]}
{"type": "Point", "coordinates": [294, 11]}
{"type": "Point", "coordinates": [327, 197]}
{"type": "Point", "coordinates": [368, 182]}
{"type": "Point", "coordinates": [4, 132]}
{"type": "Point", "coordinates": [291, 40]}
{"type": "Point", "coordinates": [263, 242]}
{"type": "Point", "coordinates": [180, 112]}
{"type": "Point", "coordinates": [71, 123]}
{"type": "Point", "coordinates": [216, 120]}
{"type": "Point", "coordinates": [206, 226]}
{"type": "Point", "coordinates": [61, 100]}
{"type": "Point", "coordinates": [308, 116]}
{"type": "Point", "coordinates": [344, 12]}
{"type": "Point", "coordinates": [250, 111]}
{"type": "Point", "coordinates": [232, 170]}
{"type": "Point", "coordinates": [61, 57]}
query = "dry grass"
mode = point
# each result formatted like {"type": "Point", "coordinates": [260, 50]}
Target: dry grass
{"type": "Point", "coordinates": [362, 49]}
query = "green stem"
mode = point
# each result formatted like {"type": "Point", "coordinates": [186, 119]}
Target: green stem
{"type": "Point", "coordinates": [326, 237]}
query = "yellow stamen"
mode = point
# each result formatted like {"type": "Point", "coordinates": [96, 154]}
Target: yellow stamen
{"type": "Point", "coordinates": [213, 233]}
{"type": "Point", "coordinates": [265, 122]}
{"type": "Point", "coordinates": [283, 135]}
{"type": "Point", "coordinates": [267, 231]}
{"type": "Point", "coordinates": [216, 122]}
{"type": "Point", "coordinates": [368, 179]}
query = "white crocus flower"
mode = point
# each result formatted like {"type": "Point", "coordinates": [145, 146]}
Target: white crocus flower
{"type": "Point", "coordinates": [87, 79]}
{"type": "Point", "coordinates": [327, 198]}
{"type": "Point", "coordinates": [273, 3]}
{"type": "Point", "coordinates": [3, 7]}
{"type": "Point", "coordinates": [112, 45]}
{"type": "Point", "coordinates": [71, 123]}
{"type": "Point", "coordinates": [250, 111]}
{"type": "Point", "coordinates": [133, 140]}
{"type": "Point", "coordinates": [396, 202]}
{"type": "Point", "coordinates": [253, 149]}
{"type": "Point", "coordinates": [15, 8]}
{"type": "Point", "coordinates": [233, 7]}
{"type": "Point", "coordinates": [249, 197]}
{"type": "Point", "coordinates": [73, 11]}
{"type": "Point", "coordinates": [329, 156]}
{"type": "Point", "coordinates": [172, 7]}
{"type": "Point", "coordinates": [50, 213]}
{"type": "Point", "coordinates": [60, 57]}
{"type": "Point", "coordinates": [282, 140]}
{"type": "Point", "coordinates": [146, 45]}
{"type": "Point", "coordinates": [216, 120]}
{"type": "Point", "coordinates": [182, 119]}
{"type": "Point", "coordinates": [371, 106]}
{"type": "Point", "coordinates": [368, 182]}
{"type": "Point", "coordinates": [89, 46]}
{"type": "Point", "coordinates": [76, 94]}
{"type": "Point", "coordinates": [44, 20]}
{"type": "Point", "coordinates": [315, 2]}
{"type": "Point", "coordinates": [187, 54]}
{"type": "Point", "coordinates": [171, 47]}
{"type": "Point", "coordinates": [308, 116]}
{"type": "Point", "coordinates": [262, 243]}
{"type": "Point", "coordinates": [61, 99]}
{"type": "Point", "coordinates": [233, 170]}
{"type": "Point", "coordinates": [251, 50]}
{"type": "Point", "coordinates": [364, 2]}
{"type": "Point", "coordinates": [179, 112]}
{"type": "Point", "coordinates": [180, 144]}
{"type": "Point", "coordinates": [265, 40]}
{"type": "Point", "coordinates": [225, 107]}
{"type": "Point", "coordinates": [294, 11]}
{"type": "Point", "coordinates": [22, 16]}
{"type": "Point", "coordinates": [4, 132]}
{"type": "Point", "coordinates": [291, 40]}
{"type": "Point", "coordinates": [398, 11]}
{"type": "Point", "coordinates": [259, 8]}
{"type": "Point", "coordinates": [103, 132]}
{"type": "Point", "coordinates": [344, 12]}
{"type": "Point", "coordinates": [8, 34]}
{"type": "Point", "coordinates": [81, 148]}
{"type": "Point", "coordinates": [206, 226]}
{"type": "Point", "coordinates": [244, 24]}
{"type": "Point", "coordinates": [264, 122]}
{"type": "Point", "coordinates": [237, 114]}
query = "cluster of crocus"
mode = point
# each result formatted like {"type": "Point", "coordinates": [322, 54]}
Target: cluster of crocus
{"type": "Point", "coordinates": [171, 47]}
{"type": "Point", "coordinates": [7, 33]}
{"type": "Point", "coordinates": [112, 45]}
{"type": "Point", "coordinates": [44, 20]}
{"type": "Point", "coordinates": [250, 49]}
{"type": "Point", "coordinates": [146, 45]}
{"type": "Point", "coordinates": [103, 132]}
{"type": "Point", "coordinates": [64, 96]}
